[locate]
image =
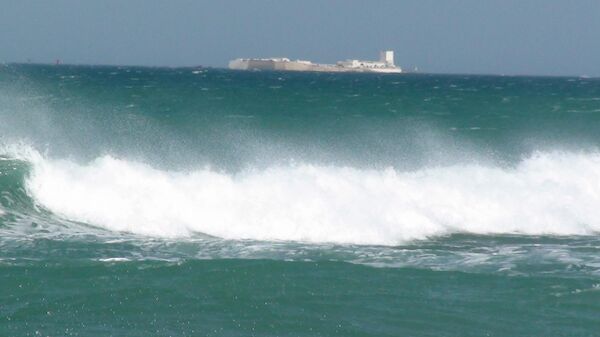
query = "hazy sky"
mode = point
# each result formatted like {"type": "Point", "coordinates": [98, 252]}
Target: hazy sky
{"type": "Point", "coordinates": [470, 36]}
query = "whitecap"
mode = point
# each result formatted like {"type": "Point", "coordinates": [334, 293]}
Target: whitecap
{"type": "Point", "coordinates": [553, 193]}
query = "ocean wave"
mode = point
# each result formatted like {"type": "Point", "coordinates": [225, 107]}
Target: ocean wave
{"type": "Point", "coordinates": [555, 193]}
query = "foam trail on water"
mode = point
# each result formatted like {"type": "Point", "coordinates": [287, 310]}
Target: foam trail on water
{"type": "Point", "coordinates": [548, 193]}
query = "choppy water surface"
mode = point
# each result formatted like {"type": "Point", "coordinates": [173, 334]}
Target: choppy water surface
{"type": "Point", "coordinates": [186, 202]}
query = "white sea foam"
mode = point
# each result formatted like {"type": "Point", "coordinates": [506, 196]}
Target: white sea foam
{"type": "Point", "coordinates": [115, 259]}
{"type": "Point", "coordinates": [548, 193]}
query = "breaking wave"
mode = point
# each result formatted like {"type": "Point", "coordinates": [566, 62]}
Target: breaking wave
{"type": "Point", "coordinates": [555, 193]}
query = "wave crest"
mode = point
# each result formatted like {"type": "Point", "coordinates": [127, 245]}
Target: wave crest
{"type": "Point", "coordinates": [547, 193]}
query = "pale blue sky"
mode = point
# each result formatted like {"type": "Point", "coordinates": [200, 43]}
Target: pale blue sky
{"type": "Point", "coordinates": [544, 37]}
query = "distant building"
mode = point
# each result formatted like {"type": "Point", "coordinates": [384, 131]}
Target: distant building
{"type": "Point", "coordinates": [387, 56]}
{"type": "Point", "coordinates": [384, 65]}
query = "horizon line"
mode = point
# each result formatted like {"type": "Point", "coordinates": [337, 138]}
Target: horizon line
{"type": "Point", "coordinates": [410, 72]}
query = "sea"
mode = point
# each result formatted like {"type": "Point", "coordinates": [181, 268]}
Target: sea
{"type": "Point", "coordinates": [140, 201]}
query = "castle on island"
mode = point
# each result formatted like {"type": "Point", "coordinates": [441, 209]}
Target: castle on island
{"type": "Point", "coordinates": [385, 64]}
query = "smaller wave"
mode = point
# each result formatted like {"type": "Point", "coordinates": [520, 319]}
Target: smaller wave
{"type": "Point", "coordinates": [114, 259]}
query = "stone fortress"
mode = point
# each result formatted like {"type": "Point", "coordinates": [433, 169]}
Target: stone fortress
{"type": "Point", "coordinates": [385, 64]}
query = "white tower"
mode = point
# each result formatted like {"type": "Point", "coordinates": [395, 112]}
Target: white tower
{"type": "Point", "coordinates": [387, 57]}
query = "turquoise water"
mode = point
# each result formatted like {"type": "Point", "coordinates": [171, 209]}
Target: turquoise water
{"type": "Point", "coordinates": [205, 202]}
